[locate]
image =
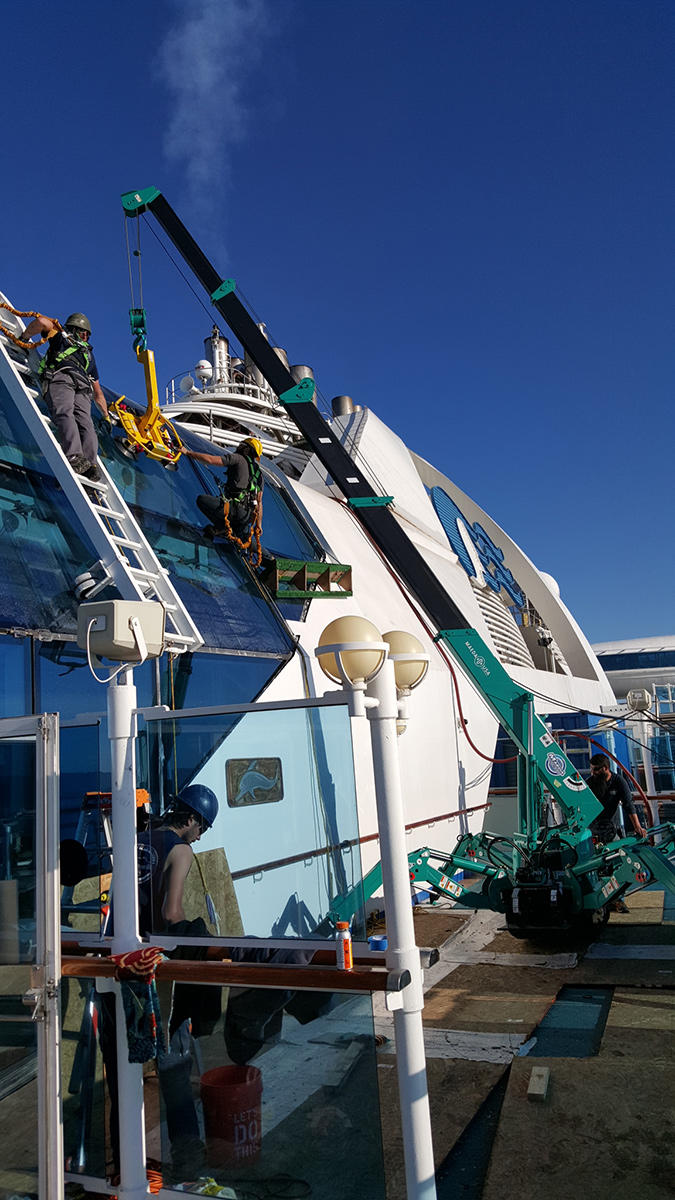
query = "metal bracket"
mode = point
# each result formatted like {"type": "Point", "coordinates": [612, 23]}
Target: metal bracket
{"type": "Point", "coordinates": [134, 203]}
{"type": "Point", "coordinates": [39, 992]}
{"type": "Point", "coordinates": [302, 393]}
{"type": "Point", "coordinates": [369, 501]}
{"type": "Point", "coordinates": [226, 288]}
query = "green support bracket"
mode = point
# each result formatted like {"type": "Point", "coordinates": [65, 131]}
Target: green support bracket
{"type": "Point", "coordinates": [135, 203]}
{"type": "Point", "coordinates": [227, 287]}
{"type": "Point", "coordinates": [369, 501]}
{"type": "Point", "coordinates": [302, 393]}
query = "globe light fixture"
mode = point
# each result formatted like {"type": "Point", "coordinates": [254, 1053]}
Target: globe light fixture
{"type": "Point", "coordinates": [351, 650]}
{"type": "Point", "coordinates": [411, 661]}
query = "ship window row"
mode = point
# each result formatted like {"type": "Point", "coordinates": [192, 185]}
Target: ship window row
{"type": "Point", "coordinates": [642, 660]}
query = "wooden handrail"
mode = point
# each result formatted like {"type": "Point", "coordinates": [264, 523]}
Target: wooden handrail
{"type": "Point", "coordinates": [262, 975]}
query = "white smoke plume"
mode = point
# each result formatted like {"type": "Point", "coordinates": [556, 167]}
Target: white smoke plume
{"type": "Point", "coordinates": [205, 61]}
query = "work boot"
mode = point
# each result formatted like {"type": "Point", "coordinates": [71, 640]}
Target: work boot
{"type": "Point", "coordinates": [619, 906]}
{"type": "Point", "coordinates": [79, 463]}
{"type": "Point", "coordinates": [93, 472]}
{"type": "Point", "coordinates": [188, 1159]}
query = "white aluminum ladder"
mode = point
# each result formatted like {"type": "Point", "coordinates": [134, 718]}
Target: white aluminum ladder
{"type": "Point", "coordinates": [126, 561]}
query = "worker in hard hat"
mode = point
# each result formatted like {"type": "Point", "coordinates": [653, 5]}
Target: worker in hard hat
{"type": "Point", "coordinates": [240, 495]}
{"type": "Point", "coordinates": [70, 382]}
{"type": "Point", "coordinates": [165, 857]}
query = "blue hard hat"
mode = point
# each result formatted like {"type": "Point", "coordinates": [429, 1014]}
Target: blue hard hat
{"type": "Point", "coordinates": [201, 800]}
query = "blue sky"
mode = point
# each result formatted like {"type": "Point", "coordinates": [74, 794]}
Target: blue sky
{"type": "Point", "coordinates": [459, 213]}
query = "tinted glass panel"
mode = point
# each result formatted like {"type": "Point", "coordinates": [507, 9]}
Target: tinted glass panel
{"type": "Point", "coordinates": [203, 680]}
{"type": "Point", "coordinates": [15, 689]}
{"type": "Point", "coordinates": [270, 869]}
{"type": "Point", "coordinates": [64, 683]}
{"type": "Point", "coordinates": [220, 593]}
{"type": "Point", "coordinates": [18, 1036]}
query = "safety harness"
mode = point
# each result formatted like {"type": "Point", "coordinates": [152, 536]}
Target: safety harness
{"type": "Point", "coordinates": [253, 492]}
{"type": "Point", "coordinates": [56, 362]}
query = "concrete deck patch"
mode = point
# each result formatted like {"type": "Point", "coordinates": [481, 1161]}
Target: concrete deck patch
{"type": "Point", "coordinates": [590, 1134]}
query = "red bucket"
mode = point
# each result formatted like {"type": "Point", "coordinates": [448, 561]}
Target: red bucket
{"type": "Point", "coordinates": [231, 1098]}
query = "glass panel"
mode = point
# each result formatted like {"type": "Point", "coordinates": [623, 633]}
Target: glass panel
{"type": "Point", "coordinates": [18, 1034]}
{"type": "Point", "coordinates": [305, 1110]}
{"type": "Point", "coordinates": [41, 553]}
{"type": "Point", "coordinates": [43, 548]}
{"type": "Point", "coordinates": [15, 689]}
{"type": "Point", "coordinates": [224, 601]}
{"type": "Point", "coordinates": [64, 683]}
{"type": "Point", "coordinates": [207, 680]}
{"type": "Point", "coordinates": [270, 869]}
{"type": "Point", "coordinates": [283, 532]}
{"type": "Point", "coordinates": [86, 1099]}
{"type": "Point", "coordinates": [85, 828]}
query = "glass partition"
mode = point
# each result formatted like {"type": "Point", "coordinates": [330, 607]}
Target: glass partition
{"type": "Point", "coordinates": [253, 1086]}
{"type": "Point", "coordinates": [18, 1034]}
{"type": "Point", "coordinates": [28, 950]}
{"type": "Point", "coordinates": [284, 842]}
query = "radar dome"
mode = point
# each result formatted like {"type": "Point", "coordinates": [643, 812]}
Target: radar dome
{"type": "Point", "coordinates": [203, 370]}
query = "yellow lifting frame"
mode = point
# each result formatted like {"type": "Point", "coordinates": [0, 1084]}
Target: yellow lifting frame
{"type": "Point", "coordinates": [151, 432]}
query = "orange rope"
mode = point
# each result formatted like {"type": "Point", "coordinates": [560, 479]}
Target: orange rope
{"type": "Point", "coordinates": [254, 555]}
{"type": "Point", "coordinates": [17, 340]}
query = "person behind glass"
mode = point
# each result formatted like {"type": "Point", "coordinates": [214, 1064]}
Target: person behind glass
{"type": "Point", "coordinates": [70, 382]}
{"type": "Point", "coordinates": [165, 856]}
{"type": "Point", "coordinates": [241, 492]}
{"type": "Point", "coordinates": [615, 795]}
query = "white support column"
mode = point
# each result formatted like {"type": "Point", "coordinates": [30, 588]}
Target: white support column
{"type": "Point", "coordinates": [122, 734]}
{"type": "Point", "coordinates": [402, 953]}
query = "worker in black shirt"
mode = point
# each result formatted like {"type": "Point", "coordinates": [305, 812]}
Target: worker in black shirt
{"type": "Point", "coordinates": [70, 382]}
{"type": "Point", "coordinates": [165, 856]}
{"type": "Point", "coordinates": [614, 794]}
{"type": "Point", "coordinates": [238, 503]}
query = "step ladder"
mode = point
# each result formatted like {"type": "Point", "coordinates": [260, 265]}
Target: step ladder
{"type": "Point", "coordinates": [126, 560]}
{"type": "Point", "coordinates": [292, 579]}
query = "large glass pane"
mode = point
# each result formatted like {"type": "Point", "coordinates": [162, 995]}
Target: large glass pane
{"type": "Point", "coordinates": [286, 830]}
{"type": "Point", "coordinates": [304, 1111]}
{"type": "Point", "coordinates": [43, 548]}
{"type": "Point", "coordinates": [223, 598]}
{"type": "Point", "coordinates": [41, 553]}
{"type": "Point", "coordinates": [207, 680]}
{"type": "Point", "coordinates": [64, 683]}
{"type": "Point", "coordinates": [251, 1084]}
{"type": "Point", "coordinates": [18, 1034]}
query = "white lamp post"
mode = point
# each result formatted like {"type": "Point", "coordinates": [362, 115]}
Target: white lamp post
{"type": "Point", "coordinates": [350, 649]}
{"type": "Point", "coordinates": [127, 632]}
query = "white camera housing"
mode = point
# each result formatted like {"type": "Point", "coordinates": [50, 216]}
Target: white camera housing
{"type": "Point", "coordinates": [122, 630]}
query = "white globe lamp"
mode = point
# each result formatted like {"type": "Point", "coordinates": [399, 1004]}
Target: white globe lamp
{"type": "Point", "coordinates": [351, 650]}
{"type": "Point", "coordinates": [410, 659]}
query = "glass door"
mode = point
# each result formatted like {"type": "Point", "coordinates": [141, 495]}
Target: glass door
{"type": "Point", "coordinates": [30, 1091]}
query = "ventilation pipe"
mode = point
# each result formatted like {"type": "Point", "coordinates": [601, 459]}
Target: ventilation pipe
{"type": "Point", "coordinates": [300, 372]}
{"type": "Point", "coordinates": [342, 406]}
{"type": "Point", "coordinates": [218, 352]}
